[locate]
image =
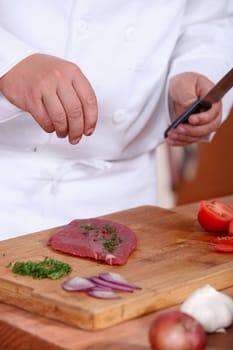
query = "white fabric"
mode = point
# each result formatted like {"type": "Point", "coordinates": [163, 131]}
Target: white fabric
{"type": "Point", "coordinates": [127, 50]}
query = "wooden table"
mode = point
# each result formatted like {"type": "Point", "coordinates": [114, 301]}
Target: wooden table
{"type": "Point", "coordinates": [22, 330]}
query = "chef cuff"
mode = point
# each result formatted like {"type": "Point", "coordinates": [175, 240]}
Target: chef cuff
{"type": "Point", "coordinates": [13, 52]}
{"type": "Point", "coordinates": [8, 110]}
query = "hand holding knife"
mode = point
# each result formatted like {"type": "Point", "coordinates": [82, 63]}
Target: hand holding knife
{"type": "Point", "coordinates": [205, 103]}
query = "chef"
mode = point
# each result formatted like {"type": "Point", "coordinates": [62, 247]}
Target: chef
{"type": "Point", "coordinates": [87, 91]}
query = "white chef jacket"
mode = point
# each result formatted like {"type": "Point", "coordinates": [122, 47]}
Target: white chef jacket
{"type": "Point", "coordinates": [128, 50]}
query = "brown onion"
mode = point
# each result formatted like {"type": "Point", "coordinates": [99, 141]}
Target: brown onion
{"type": "Point", "coordinates": [175, 330]}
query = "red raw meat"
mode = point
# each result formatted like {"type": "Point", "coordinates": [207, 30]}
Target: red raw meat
{"type": "Point", "coordinates": [99, 239]}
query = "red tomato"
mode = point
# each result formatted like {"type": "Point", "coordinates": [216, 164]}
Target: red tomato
{"type": "Point", "coordinates": [223, 240]}
{"type": "Point", "coordinates": [215, 215]}
{"type": "Point", "coordinates": [223, 248]}
{"type": "Point", "coordinates": [230, 228]}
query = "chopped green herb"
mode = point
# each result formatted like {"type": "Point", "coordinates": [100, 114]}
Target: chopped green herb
{"type": "Point", "coordinates": [48, 268]}
{"type": "Point", "coordinates": [88, 227]}
{"type": "Point", "coordinates": [114, 236]}
{"type": "Point", "coordinates": [108, 229]}
{"type": "Point", "coordinates": [111, 244]}
{"type": "Point", "coordinates": [109, 236]}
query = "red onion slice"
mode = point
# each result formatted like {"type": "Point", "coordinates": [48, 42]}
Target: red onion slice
{"type": "Point", "coordinates": [100, 282]}
{"type": "Point", "coordinates": [101, 286]}
{"type": "Point", "coordinates": [102, 293]}
{"type": "Point", "coordinates": [78, 284]}
{"type": "Point", "coordinates": [117, 279]}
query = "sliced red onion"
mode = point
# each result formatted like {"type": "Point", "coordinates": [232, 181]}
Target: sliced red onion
{"type": "Point", "coordinates": [117, 279]}
{"type": "Point", "coordinates": [101, 286]}
{"type": "Point", "coordinates": [78, 284]}
{"type": "Point", "coordinates": [101, 282]}
{"type": "Point", "coordinates": [102, 293]}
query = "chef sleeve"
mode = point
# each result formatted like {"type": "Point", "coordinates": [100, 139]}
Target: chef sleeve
{"type": "Point", "coordinates": [15, 52]}
{"type": "Point", "coordinates": [205, 44]}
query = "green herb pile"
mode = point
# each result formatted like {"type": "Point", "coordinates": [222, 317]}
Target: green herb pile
{"type": "Point", "coordinates": [48, 268]}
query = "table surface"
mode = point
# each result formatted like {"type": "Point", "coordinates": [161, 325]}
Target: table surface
{"type": "Point", "coordinates": [22, 330]}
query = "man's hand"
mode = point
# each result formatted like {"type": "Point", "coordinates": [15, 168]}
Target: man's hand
{"type": "Point", "coordinates": [184, 89]}
{"type": "Point", "coordinates": [55, 92]}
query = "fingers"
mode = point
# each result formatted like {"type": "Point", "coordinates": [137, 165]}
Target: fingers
{"type": "Point", "coordinates": [56, 113]}
{"type": "Point", "coordinates": [73, 113]}
{"type": "Point", "coordinates": [213, 114]}
{"type": "Point", "coordinates": [37, 109]}
{"type": "Point", "coordinates": [68, 111]}
{"type": "Point", "coordinates": [185, 88]}
{"type": "Point", "coordinates": [199, 127]}
{"type": "Point", "coordinates": [88, 101]}
{"type": "Point", "coordinates": [76, 111]}
{"type": "Point", "coordinates": [73, 109]}
{"type": "Point", "coordinates": [55, 92]}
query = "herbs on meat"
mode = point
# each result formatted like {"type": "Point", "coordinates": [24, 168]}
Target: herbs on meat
{"type": "Point", "coordinates": [110, 243]}
{"type": "Point", "coordinates": [47, 268]}
{"type": "Point", "coordinates": [88, 227]}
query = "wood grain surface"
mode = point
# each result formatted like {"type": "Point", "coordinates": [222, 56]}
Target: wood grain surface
{"type": "Point", "coordinates": [172, 259]}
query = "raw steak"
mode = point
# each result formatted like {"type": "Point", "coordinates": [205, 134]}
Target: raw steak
{"type": "Point", "coordinates": [99, 239]}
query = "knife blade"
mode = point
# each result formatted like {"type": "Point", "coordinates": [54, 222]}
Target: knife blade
{"type": "Point", "coordinates": [203, 104]}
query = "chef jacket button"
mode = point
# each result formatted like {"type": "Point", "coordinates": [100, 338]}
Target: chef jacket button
{"type": "Point", "coordinates": [82, 26]}
{"type": "Point", "coordinates": [119, 116]}
{"type": "Point", "coordinates": [130, 33]}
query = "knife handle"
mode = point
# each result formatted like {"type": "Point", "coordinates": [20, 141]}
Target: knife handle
{"type": "Point", "coordinates": [196, 107]}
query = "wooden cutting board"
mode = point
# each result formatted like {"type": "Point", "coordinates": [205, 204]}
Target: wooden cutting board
{"type": "Point", "coordinates": [172, 259]}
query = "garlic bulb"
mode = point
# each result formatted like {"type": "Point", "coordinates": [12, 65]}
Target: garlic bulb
{"type": "Point", "coordinates": [212, 309]}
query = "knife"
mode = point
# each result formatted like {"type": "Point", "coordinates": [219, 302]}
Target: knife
{"type": "Point", "coordinates": [205, 103]}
